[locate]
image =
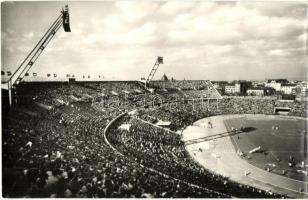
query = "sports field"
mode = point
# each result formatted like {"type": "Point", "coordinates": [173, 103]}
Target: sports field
{"type": "Point", "coordinates": [215, 148]}
{"type": "Point", "coordinates": [281, 140]}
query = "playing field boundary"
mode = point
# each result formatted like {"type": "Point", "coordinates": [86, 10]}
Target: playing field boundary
{"type": "Point", "coordinates": [258, 178]}
{"type": "Point", "coordinates": [238, 148]}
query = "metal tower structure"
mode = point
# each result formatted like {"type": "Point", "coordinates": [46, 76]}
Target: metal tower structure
{"type": "Point", "coordinates": [159, 61]}
{"type": "Point", "coordinates": [25, 66]}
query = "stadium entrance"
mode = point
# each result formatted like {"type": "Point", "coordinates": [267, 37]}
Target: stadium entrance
{"type": "Point", "coordinates": [281, 110]}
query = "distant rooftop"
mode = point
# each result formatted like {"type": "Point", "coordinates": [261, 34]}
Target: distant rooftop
{"type": "Point", "coordinates": [290, 85]}
{"type": "Point", "coordinates": [278, 80]}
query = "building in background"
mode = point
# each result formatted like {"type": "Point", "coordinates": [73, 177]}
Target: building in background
{"type": "Point", "coordinates": [287, 88]}
{"type": "Point", "coordinates": [268, 91]}
{"type": "Point", "coordinates": [244, 85]}
{"type": "Point", "coordinates": [234, 88]}
{"type": "Point", "coordinates": [220, 86]}
{"type": "Point", "coordinates": [255, 91]}
{"type": "Point", "coordinates": [276, 83]}
{"type": "Point", "coordinates": [238, 87]}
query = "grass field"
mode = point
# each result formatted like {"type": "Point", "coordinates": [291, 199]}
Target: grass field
{"type": "Point", "coordinates": [277, 145]}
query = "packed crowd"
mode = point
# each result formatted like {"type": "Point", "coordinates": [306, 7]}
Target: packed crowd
{"type": "Point", "coordinates": [181, 85]}
{"type": "Point", "coordinates": [63, 154]}
{"type": "Point", "coordinates": [165, 151]}
{"type": "Point", "coordinates": [184, 113]}
{"type": "Point", "coordinates": [53, 145]}
{"type": "Point", "coordinates": [60, 152]}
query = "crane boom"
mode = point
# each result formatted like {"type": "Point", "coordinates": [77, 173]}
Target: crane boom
{"type": "Point", "coordinates": [154, 69]}
{"type": "Point", "coordinates": [25, 66]}
{"type": "Point", "coordinates": [37, 53]}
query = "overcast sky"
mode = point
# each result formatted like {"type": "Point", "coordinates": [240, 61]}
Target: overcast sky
{"type": "Point", "coordinates": [198, 40]}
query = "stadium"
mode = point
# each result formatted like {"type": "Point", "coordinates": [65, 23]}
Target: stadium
{"type": "Point", "coordinates": [146, 138]}
{"type": "Point", "coordinates": [111, 146]}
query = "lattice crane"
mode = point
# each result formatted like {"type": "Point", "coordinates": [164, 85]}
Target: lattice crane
{"type": "Point", "coordinates": [158, 61]}
{"type": "Point", "coordinates": [25, 66]}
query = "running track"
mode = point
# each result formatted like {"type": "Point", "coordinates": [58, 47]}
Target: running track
{"type": "Point", "coordinates": [220, 156]}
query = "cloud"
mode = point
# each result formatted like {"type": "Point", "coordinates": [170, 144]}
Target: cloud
{"type": "Point", "coordinates": [123, 38]}
{"type": "Point", "coordinates": [303, 37]}
{"type": "Point", "coordinates": [286, 9]}
{"type": "Point", "coordinates": [29, 35]}
{"type": "Point", "coordinates": [172, 8]}
{"type": "Point", "coordinates": [277, 52]}
{"type": "Point", "coordinates": [136, 11]}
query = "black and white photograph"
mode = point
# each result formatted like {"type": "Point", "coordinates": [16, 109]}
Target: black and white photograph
{"type": "Point", "coordinates": [154, 99]}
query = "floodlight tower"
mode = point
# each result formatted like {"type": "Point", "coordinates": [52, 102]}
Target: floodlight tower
{"type": "Point", "coordinates": [159, 61]}
{"type": "Point", "coordinates": [25, 66]}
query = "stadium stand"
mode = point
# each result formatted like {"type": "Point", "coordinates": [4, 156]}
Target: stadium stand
{"type": "Point", "coordinates": [53, 145]}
